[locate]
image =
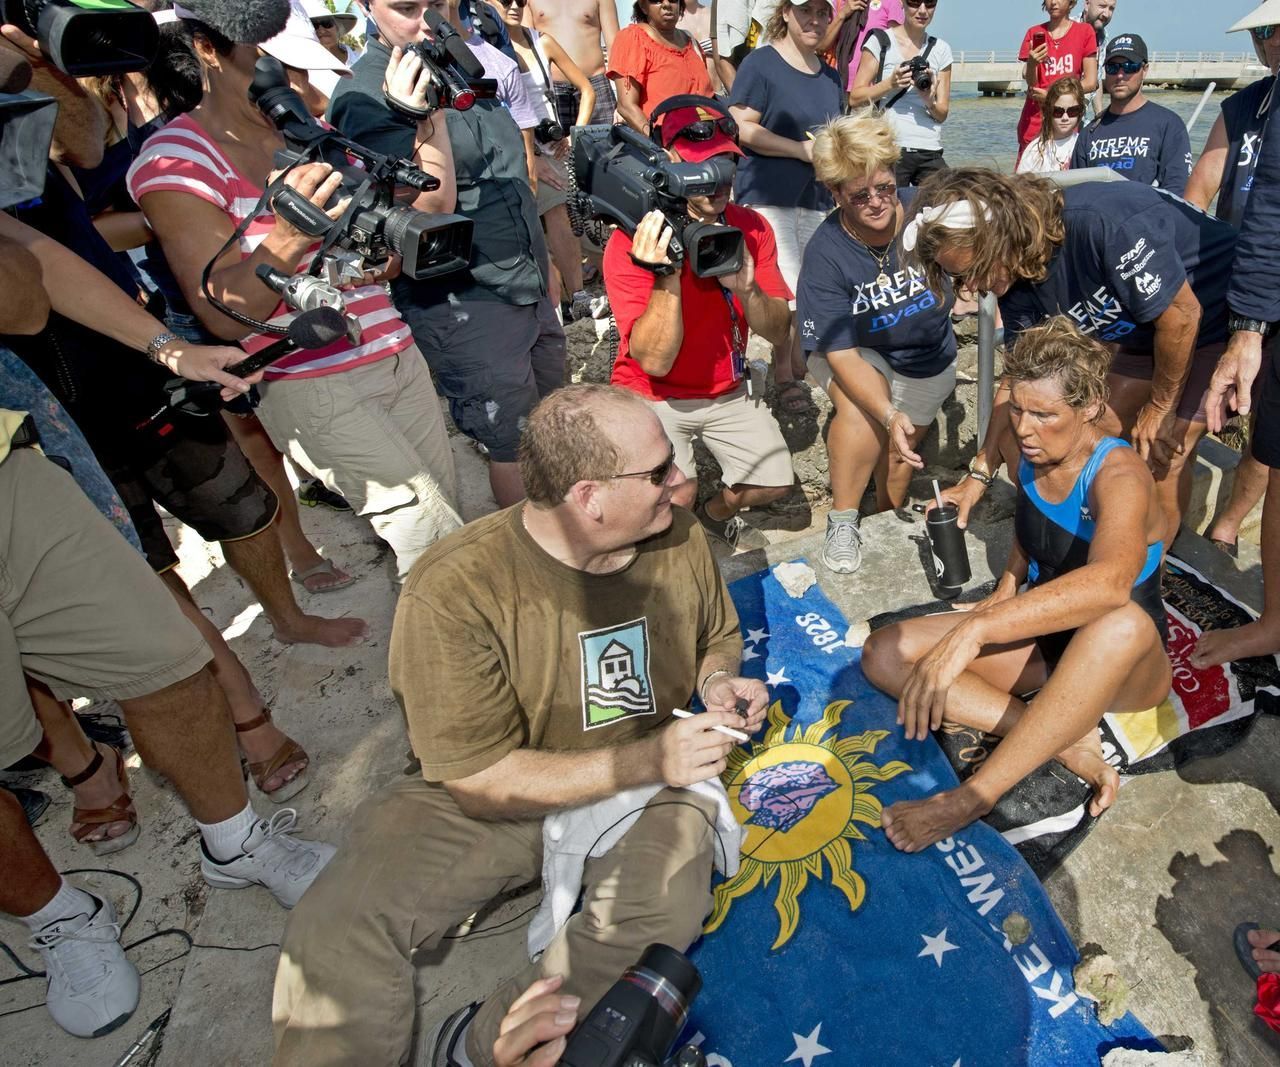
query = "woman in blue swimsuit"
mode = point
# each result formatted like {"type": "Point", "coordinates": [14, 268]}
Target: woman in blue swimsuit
{"type": "Point", "coordinates": [1076, 615]}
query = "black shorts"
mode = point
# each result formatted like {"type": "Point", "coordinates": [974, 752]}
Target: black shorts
{"type": "Point", "coordinates": [201, 478]}
{"type": "Point", "coordinates": [1266, 432]}
{"type": "Point", "coordinates": [917, 164]}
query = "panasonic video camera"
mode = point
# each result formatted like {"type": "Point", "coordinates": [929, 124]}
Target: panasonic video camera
{"type": "Point", "coordinates": [636, 1023]}
{"type": "Point", "coordinates": [373, 226]}
{"type": "Point", "coordinates": [87, 37]}
{"type": "Point", "coordinates": [619, 176]}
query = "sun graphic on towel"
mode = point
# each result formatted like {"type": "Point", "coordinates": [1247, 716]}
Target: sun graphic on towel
{"type": "Point", "coordinates": [800, 801]}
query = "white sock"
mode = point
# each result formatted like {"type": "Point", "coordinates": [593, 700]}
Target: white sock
{"type": "Point", "coordinates": [225, 840]}
{"type": "Point", "coordinates": [67, 902]}
{"type": "Point", "coordinates": [847, 515]}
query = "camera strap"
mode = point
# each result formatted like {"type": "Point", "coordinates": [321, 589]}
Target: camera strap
{"type": "Point", "coordinates": [548, 93]}
{"type": "Point", "coordinates": [883, 37]}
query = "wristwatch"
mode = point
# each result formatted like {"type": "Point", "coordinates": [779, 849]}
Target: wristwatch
{"type": "Point", "coordinates": [156, 343]}
{"type": "Point", "coordinates": [1239, 324]}
{"type": "Point", "coordinates": [980, 475]}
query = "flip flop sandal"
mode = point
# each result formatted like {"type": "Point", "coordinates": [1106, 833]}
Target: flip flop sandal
{"type": "Point", "coordinates": [1230, 548]}
{"type": "Point", "coordinates": [85, 820]}
{"type": "Point", "coordinates": [325, 566]}
{"type": "Point", "coordinates": [263, 770]}
{"type": "Point", "coordinates": [1244, 950]}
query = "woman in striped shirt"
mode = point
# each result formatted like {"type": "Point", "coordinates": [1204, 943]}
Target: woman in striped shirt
{"type": "Point", "coordinates": [363, 416]}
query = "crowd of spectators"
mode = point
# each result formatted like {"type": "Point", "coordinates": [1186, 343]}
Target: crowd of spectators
{"type": "Point", "coordinates": [535, 650]}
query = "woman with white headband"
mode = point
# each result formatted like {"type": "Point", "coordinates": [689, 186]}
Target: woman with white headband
{"type": "Point", "coordinates": [878, 340]}
{"type": "Point", "coordinates": [1130, 265]}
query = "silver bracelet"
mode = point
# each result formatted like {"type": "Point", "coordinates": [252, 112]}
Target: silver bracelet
{"type": "Point", "coordinates": [156, 343]}
{"type": "Point", "coordinates": [888, 419]}
{"type": "Point", "coordinates": [702, 689]}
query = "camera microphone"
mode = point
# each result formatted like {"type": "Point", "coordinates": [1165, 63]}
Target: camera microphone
{"type": "Point", "coordinates": [317, 328]}
{"type": "Point", "coordinates": [451, 41]}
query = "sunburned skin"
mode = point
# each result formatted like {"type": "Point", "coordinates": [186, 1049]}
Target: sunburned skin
{"type": "Point", "coordinates": [577, 25]}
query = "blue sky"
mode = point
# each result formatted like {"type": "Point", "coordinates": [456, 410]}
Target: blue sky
{"type": "Point", "coordinates": [1167, 25]}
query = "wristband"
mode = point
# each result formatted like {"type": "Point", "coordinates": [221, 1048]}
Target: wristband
{"type": "Point", "coordinates": [888, 419]}
{"type": "Point", "coordinates": [702, 689]}
{"type": "Point", "coordinates": [660, 269]}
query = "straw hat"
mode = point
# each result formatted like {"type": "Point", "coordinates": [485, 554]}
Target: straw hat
{"type": "Point", "coordinates": [1265, 14]}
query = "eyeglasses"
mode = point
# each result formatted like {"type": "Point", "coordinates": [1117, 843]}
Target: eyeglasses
{"type": "Point", "coordinates": [1128, 66]}
{"type": "Point", "coordinates": [1263, 33]}
{"type": "Point", "coordinates": [1072, 112]}
{"type": "Point", "coordinates": [324, 24]}
{"type": "Point", "coordinates": [883, 191]}
{"type": "Point", "coordinates": [920, 3]}
{"type": "Point", "coordinates": [657, 476]}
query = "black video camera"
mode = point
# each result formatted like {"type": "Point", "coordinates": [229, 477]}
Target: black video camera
{"type": "Point", "coordinates": [87, 37]}
{"type": "Point", "coordinates": [921, 74]}
{"type": "Point", "coordinates": [620, 175]}
{"type": "Point", "coordinates": [26, 132]}
{"type": "Point", "coordinates": [457, 76]}
{"type": "Point", "coordinates": [636, 1023]}
{"type": "Point", "coordinates": [373, 226]}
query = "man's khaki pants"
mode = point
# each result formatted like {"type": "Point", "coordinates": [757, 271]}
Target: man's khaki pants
{"type": "Point", "coordinates": [415, 866]}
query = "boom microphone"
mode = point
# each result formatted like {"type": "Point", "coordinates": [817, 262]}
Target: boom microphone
{"type": "Point", "coordinates": [312, 329]}
{"type": "Point", "coordinates": [241, 21]}
{"type": "Point", "coordinates": [464, 59]}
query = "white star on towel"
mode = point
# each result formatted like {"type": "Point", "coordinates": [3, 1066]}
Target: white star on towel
{"type": "Point", "coordinates": [807, 1048]}
{"type": "Point", "coordinates": [756, 635]}
{"type": "Point", "coordinates": [778, 678]}
{"type": "Point", "coordinates": [750, 653]}
{"type": "Point", "coordinates": [936, 947]}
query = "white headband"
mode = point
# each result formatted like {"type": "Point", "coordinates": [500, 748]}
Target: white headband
{"type": "Point", "coordinates": [183, 13]}
{"type": "Point", "coordinates": [164, 17]}
{"type": "Point", "coordinates": [958, 215]}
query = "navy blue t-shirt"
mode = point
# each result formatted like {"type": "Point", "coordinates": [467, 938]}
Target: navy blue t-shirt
{"type": "Point", "coordinates": [1149, 145]}
{"type": "Point", "coordinates": [1128, 249]}
{"type": "Point", "coordinates": [792, 104]}
{"type": "Point", "coordinates": [1244, 116]}
{"type": "Point", "coordinates": [839, 305]}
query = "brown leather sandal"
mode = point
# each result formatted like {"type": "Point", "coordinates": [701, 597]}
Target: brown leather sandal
{"type": "Point", "coordinates": [262, 771]}
{"type": "Point", "coordinates": [85, 820]}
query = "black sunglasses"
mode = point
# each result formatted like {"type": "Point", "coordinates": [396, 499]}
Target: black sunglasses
{"type": "Point", "coordinates": [324, 24]}
{"type": "Point", "coordinates": [657, 476]}
{"type": "Point", "coordinates": [920, 3]}
{"type": "Point", "coordinates": [1072, 112]}
{"type": "Point", "coordinates": [1129, 66]}
{"type": "Point", "coordinates": [1263, 33]}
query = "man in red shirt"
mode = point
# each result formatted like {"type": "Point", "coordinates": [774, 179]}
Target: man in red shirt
{"type": "Point", "coordinates": [684, 338]}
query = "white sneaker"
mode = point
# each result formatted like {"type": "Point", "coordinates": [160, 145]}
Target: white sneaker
{"type": "Point", "coordinates": [272, 857]}
{"type": "Point", "coordinates": [93, 988]}
{"type": "Point", "coordinates": [842, 551]}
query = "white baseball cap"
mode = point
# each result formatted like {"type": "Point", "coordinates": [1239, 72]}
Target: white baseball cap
{"type": "Point", "coordinates": [298, 46]}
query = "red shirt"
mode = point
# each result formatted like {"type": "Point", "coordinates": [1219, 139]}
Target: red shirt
{"type": "Point", "coordinates": [703, 368]}
{"type": "Point", "coordinates": [1066, 56]}
{"type": "Point", "coordinates": [659, 70]}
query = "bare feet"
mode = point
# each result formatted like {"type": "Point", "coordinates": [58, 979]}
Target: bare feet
{"type": "Point", "coordinates": [1264, 953]}
{"type": "Point", "coordinates": [1216, 647]}
{"type": "Point", "coordinates": [314, 630]}
{"type": "Point", "coordinates": [261, 744]}
{"type": "Point", "coordinates": [914, 825]}
{"type": "Point", "coordinates": [1085, 759]}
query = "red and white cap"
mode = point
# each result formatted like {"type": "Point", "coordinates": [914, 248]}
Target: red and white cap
{"type": "Point", "coordinates": [298, 46]}
{"type": "Point", "coordinates": [674, 123]}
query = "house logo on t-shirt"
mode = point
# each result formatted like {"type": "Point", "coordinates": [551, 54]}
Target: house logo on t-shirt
{"type": "Point", "coordinates": [615, 673]}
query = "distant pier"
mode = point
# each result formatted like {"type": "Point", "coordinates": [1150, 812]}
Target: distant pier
{"type": "Point", "coordinates": [1000, 73]}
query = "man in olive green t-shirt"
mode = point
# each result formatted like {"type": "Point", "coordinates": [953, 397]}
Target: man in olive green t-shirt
{"type": "Point", "coordinates": [537, 654]}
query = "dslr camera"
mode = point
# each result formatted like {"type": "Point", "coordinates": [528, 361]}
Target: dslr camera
{"type": "Point", "coordinates": [636, 1023]}
{"type": "Point", "coordinates": [619, 176]}
{"type": "Point", "coordinates": [921, 74]}
{"type": "Point", "coordinates": [373, 226]}
{"type": "Point", "coordinates": [548, 131]}
{"type": "Point", "coordinates": [87, 37]}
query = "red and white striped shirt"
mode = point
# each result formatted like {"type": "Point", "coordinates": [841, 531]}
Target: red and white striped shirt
{"type": "Point", "coordinates": [181, 157]}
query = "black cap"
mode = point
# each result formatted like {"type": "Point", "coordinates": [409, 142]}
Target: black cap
{"type": "Point", "coordinates": [1127, 46]}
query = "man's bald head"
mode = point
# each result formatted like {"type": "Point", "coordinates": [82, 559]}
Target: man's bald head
{"type": "Point", "coordinates": [1099, 13]}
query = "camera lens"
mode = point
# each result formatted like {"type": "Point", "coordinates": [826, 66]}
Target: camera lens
{"type": "Point", "coordinates": [668, 977]}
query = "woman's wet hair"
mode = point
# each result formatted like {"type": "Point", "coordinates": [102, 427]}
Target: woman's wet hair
{"type": "Point", "coordinates": [853, 147]}
{"type": "Point", "coordinates": [1058, 351]}
{"type": "Point", "coordinates": [1017, 224]}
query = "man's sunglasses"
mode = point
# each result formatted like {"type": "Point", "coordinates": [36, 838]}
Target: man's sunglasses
{"type": "Point", "coordinates": [657, 476]}
{"type": "Point", "coordinates": [1263, 33]}
{"type": "Point", "coordinates": [1072, 112]}
{"type": "Point", "coordinates": [323, 24]}
{"type": "Point", "coordinates": [883, 191]}
{"type": "Point", "coordinates": [1126, 66]}
{"type": "Point", "coordinates": [515, 3]}
{"type": "Point", "coordinates": [920, 3]}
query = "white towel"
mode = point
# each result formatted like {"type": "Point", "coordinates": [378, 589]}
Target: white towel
{"type": "Point", "coordinates": [567, 835]}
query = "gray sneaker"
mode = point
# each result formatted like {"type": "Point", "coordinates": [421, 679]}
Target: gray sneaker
{"type": "Point", "coordinates": [842, 551]}
{"type": "Point", "coordinates": [733, 531]}
{"type": "Point", "coordinates": [272, 857]}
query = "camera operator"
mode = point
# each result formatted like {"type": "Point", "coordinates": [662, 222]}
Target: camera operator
{"type": "Point", "coordinates": [364, 416]}
{"type": "Point", "coordinates": [491, 334]}
{"type": "Point", "coordinates": [906, 73]}
{"type": "Point", "coordinates": [682, 339]}
{"type": "Point", "coordinates": [516, 715]}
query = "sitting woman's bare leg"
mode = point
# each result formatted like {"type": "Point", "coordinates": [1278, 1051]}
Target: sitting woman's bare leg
{"type": "Point", "coordinates": [1116, 663]}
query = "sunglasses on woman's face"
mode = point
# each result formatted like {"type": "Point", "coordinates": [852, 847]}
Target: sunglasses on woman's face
{"type": "Point", "coordinates": [1125, 66]}
{"type": "Point", "coordinates": [1072, 112]}
{"type": "Point", "coordinates": [921, 3]}
{"type": "Point", "coordinates": [323, 24]}
{"type": "Point", "coordinates": [883, 191]}
{"type": "Point", "coordinates": [1263, 33]}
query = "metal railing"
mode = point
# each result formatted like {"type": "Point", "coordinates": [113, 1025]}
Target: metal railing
{"type": "Point", "coordinates": [1245, 59]}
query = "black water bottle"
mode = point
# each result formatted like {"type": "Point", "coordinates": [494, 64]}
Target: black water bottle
{"type": "Point", "coordinates": [950, 557]}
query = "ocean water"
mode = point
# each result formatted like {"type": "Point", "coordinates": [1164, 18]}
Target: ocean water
{"type": "Point", "coordinates": [982, 131]}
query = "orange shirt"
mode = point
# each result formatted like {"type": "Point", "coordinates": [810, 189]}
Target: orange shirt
{"type": "Point", "coordinates": [659, 70]}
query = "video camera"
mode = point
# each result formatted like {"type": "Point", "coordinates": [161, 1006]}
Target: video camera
{"type": "Point", "coordinates": [26, 132]}
{"type": "Point", "coordinates": [457, 76]}
{"type": "Point", "coordinates": [373, 226]}
{"type": "Point", "coordinates": [620, 175]}
{"type": "Point", "coordinates": [87, 37]}
{"type": "Point", "coordinates": [636, 1023]}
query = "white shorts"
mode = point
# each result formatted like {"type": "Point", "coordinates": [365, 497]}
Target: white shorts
{"type": "Point", "coordinates": [919, 399]}
{"type": "Point", "coordinates": [792, 228]}
{"type": "Point", "coordinates": [738, 430]}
